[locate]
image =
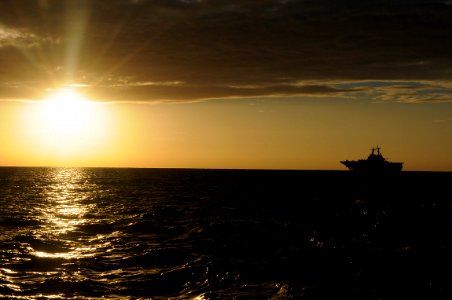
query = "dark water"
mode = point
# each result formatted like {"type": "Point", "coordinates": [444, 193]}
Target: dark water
{"type": "Point", "coordinates": [223, 234]}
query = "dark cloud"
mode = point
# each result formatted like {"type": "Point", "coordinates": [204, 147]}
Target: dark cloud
{"type": "Point", "coordinates": [214, 47]}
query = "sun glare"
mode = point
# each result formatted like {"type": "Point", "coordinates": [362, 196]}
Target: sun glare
{"type": "Point", "coordinates": [67, 114]}
{"type": "Point", "coordinates": [67, 124]}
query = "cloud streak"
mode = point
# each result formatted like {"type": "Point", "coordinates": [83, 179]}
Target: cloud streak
{"type": "Point", "coordinates": [10, 37]}
{"type": "Point", "coordinates": [215, 49]}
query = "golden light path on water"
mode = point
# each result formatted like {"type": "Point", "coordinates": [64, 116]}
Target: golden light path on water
{"type": "Point", "coordinates": [71, 230]}
{"type": "Point", "coordinates": [63, 212]}
{"type": "Point", "coordinates": [53, 248]}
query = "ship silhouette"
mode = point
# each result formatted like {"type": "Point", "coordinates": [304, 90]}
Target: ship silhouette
{"type": "Point", "coordinates": [374, 163]}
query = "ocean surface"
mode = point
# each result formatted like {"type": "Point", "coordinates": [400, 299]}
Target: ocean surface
{"type": "Point", "coordinates": [88, 233]}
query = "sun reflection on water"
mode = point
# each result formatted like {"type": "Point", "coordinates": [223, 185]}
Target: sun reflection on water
{"type": "Point", "coordinates": [62, 213]}
{"type": "Point", "coordinates": [65, 211]}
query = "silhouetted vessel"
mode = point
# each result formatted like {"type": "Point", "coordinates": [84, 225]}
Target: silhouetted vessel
{"type": "Point", "coordinates": [374, 163]}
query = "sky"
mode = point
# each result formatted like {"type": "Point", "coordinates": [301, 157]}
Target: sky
{"type": "Point", "coordinates": [260, 84]}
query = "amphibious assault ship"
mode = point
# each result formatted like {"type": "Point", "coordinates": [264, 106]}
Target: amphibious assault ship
{"type": "Point", "coordinates": [374, 163]}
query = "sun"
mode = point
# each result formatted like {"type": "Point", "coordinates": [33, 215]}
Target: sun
{"type": "Point", "coordinates": [68, 114]}
{"type": "Point", "coordinates": [66, 124]}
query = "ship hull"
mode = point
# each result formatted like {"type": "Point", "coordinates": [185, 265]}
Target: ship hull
{"type": "Point", "coordinates": [368, 166]}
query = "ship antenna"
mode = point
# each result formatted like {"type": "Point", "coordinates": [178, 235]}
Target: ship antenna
{"type": "Point", "coordinates": [378, 150]}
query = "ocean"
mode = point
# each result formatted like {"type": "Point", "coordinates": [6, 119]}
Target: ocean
{"type": "Point", "coordinates": [92, 233]}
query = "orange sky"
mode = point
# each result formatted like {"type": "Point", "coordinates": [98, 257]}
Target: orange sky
{"type": "Point", "coordinates": [278, 133]}
{"type": "Point", "coordinates": [225, 84]}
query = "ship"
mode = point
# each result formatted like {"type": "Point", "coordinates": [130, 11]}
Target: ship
{"type": "Point", "coordinates": [375, 163]}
